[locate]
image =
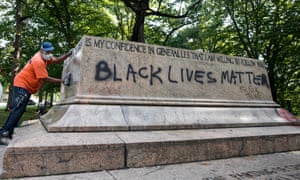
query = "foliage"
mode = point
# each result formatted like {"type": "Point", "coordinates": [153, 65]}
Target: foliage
{"type": "Point", "coordinates": [267, 30]}
{"type": "Point", "coordinates": [61, 22]}
{"type": "Point", "coordinates": [270, 30]}
{"type": "Point", "coordinates": [176, 14]}
{"type": "Point", "coordinates": [6, 36]}
{"type": "Point", "coordinates": [29, 114]}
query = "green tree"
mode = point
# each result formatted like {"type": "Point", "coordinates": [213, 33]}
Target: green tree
{"type": "Point", "coordinates": [62, 22]}
{"type": "Point", "coordinates": [270, 29]}
{"type": "Point", "coordinates": [161, 9]}
{"type": "Point", "coordinates": [265, 30]}
{"type": "Point", "coordinates": [18, 21]}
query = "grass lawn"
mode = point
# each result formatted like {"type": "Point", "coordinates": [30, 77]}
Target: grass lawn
{"type": "Point", "coordinates": [28, 115]}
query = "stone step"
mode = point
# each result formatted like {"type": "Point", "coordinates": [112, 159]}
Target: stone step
{"type": "Point", "coordinates": [40, 153]}
{"type": "Point", "coordinates": [101, 118]}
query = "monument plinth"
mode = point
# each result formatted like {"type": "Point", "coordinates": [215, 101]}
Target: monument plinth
{"type": "Point", "coordinates": [118, 72]}
{"type": "Point", "coordinates": [120, 85]}
{"type": "Point", "coordinates": [133, 105]}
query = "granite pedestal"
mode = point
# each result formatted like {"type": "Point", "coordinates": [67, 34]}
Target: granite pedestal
{"type": "Point", "coordinates": [133, 104]}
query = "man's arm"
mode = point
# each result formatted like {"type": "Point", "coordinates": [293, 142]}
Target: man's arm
{"type": "Point", "coordinates": [52, 80]}
{"type": "Point", "coordinates": [66, 80]}
{"type": "Point", "coordinates": [63, 57]}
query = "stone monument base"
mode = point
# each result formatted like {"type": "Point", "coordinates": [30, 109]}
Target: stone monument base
{"type": "Point", "coordinates": [36, 152]}
{"type": "Point", "coordinates": [99, 118]}
{"type": "Point", "coordinates": [133, 104]}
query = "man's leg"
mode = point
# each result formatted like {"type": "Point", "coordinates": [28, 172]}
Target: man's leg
{"type": "Point", "coordinates": [20, 100]}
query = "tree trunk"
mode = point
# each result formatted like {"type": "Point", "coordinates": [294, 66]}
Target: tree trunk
{"type": "Point", "coordinates": [17, 50]}
{"type": "Point", "coordinates": [272, 84]}
{"type": "Point", "coordinates": [138, 30]}
{"type": "Point", "coordinates": [51, 99]}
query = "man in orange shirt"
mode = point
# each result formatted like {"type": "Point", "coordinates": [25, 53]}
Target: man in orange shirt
{"type": "Point", "coordinates": [28, 81]}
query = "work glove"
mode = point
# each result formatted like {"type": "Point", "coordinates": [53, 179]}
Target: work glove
{"type": "Point", "coordinates": [67, 79]}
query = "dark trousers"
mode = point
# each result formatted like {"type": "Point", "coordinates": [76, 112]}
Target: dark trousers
{"type": "Point", "coordinates": [20, 99]}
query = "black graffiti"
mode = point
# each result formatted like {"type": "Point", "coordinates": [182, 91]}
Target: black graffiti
{"type": "Point", "coordinates": [156, 74]}
{"type": "Point", "coordinates": [198, 76]}
{"type": "Point", "coordinates": [210, 77]}
{"type": "Point", "coordinates": [104, 72]}
{"type": "Point", "coordinates": [240, 77]}
{"type": "Point", "coordinates": [169, 76]}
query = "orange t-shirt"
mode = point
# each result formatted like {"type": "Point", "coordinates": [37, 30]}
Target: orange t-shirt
{"type": "Point", "coordinates": [32, 75]}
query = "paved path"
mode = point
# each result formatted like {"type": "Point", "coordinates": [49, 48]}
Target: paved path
{"type": "Point", "coordinates": [2, 150]}
{"type": "Point", "coordinates": [278, 166]}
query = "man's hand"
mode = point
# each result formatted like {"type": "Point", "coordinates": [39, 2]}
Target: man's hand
{"type": "Point", "coordinates": [70, 52]}
{"type": "Point", "coordinates": [67, 79]}
{"type": "Point", "coordinates": [65, 56]}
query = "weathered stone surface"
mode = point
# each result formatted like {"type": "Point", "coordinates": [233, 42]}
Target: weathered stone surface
{"type": "Point", "coordinates": [90, 118]}
{"type": "Point", "coordinates": [40, 153]}
{"type": "Point", "coordinates": [260, 167]}
{"type": "Point", "coordinates": [107, 71]}
{"type": "Point", "coordinates": [120, 85]}
{"type": "Point", "coordinates": [196, 145]}
{"type": "Point", "coordinates": [210, 106]}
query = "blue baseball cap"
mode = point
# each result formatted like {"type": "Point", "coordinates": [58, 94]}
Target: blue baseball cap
{"type": "Point", "coordinates": [47, 46]}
